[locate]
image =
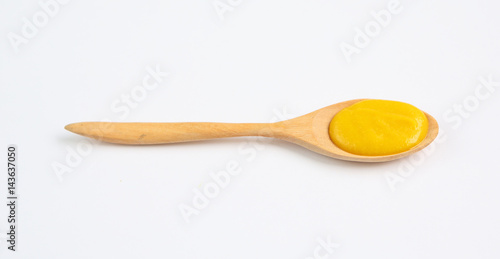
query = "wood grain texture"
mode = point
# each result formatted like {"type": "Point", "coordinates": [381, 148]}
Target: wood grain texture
{"type": "Point", "coordinates": [164, 133]}
{"type": "Point", "coordinates": [309, 131]}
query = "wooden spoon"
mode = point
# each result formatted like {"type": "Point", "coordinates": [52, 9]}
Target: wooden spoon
{"type": "Point", "coordinates": [309, 131]}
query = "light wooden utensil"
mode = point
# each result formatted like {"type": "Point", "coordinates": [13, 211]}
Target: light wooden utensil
{"type": "Point", "coordinates": [309, 131]}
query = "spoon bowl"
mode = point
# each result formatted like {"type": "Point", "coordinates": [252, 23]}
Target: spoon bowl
{"type": "Point", "coordinates": [309, 131]}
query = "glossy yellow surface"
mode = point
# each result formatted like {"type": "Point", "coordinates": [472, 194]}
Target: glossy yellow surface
{"type": "Point", "coordinates": [378, 127]}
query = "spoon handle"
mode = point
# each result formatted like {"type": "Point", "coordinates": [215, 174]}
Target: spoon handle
{"type": "Point", "coordinates": [170, 132]}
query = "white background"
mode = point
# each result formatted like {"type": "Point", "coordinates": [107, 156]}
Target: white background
{"type": "Point", "coordinates": [264, 61]}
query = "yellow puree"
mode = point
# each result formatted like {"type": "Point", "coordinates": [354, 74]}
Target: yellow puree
{"type": "Point", "coordinates": [378, 127]}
